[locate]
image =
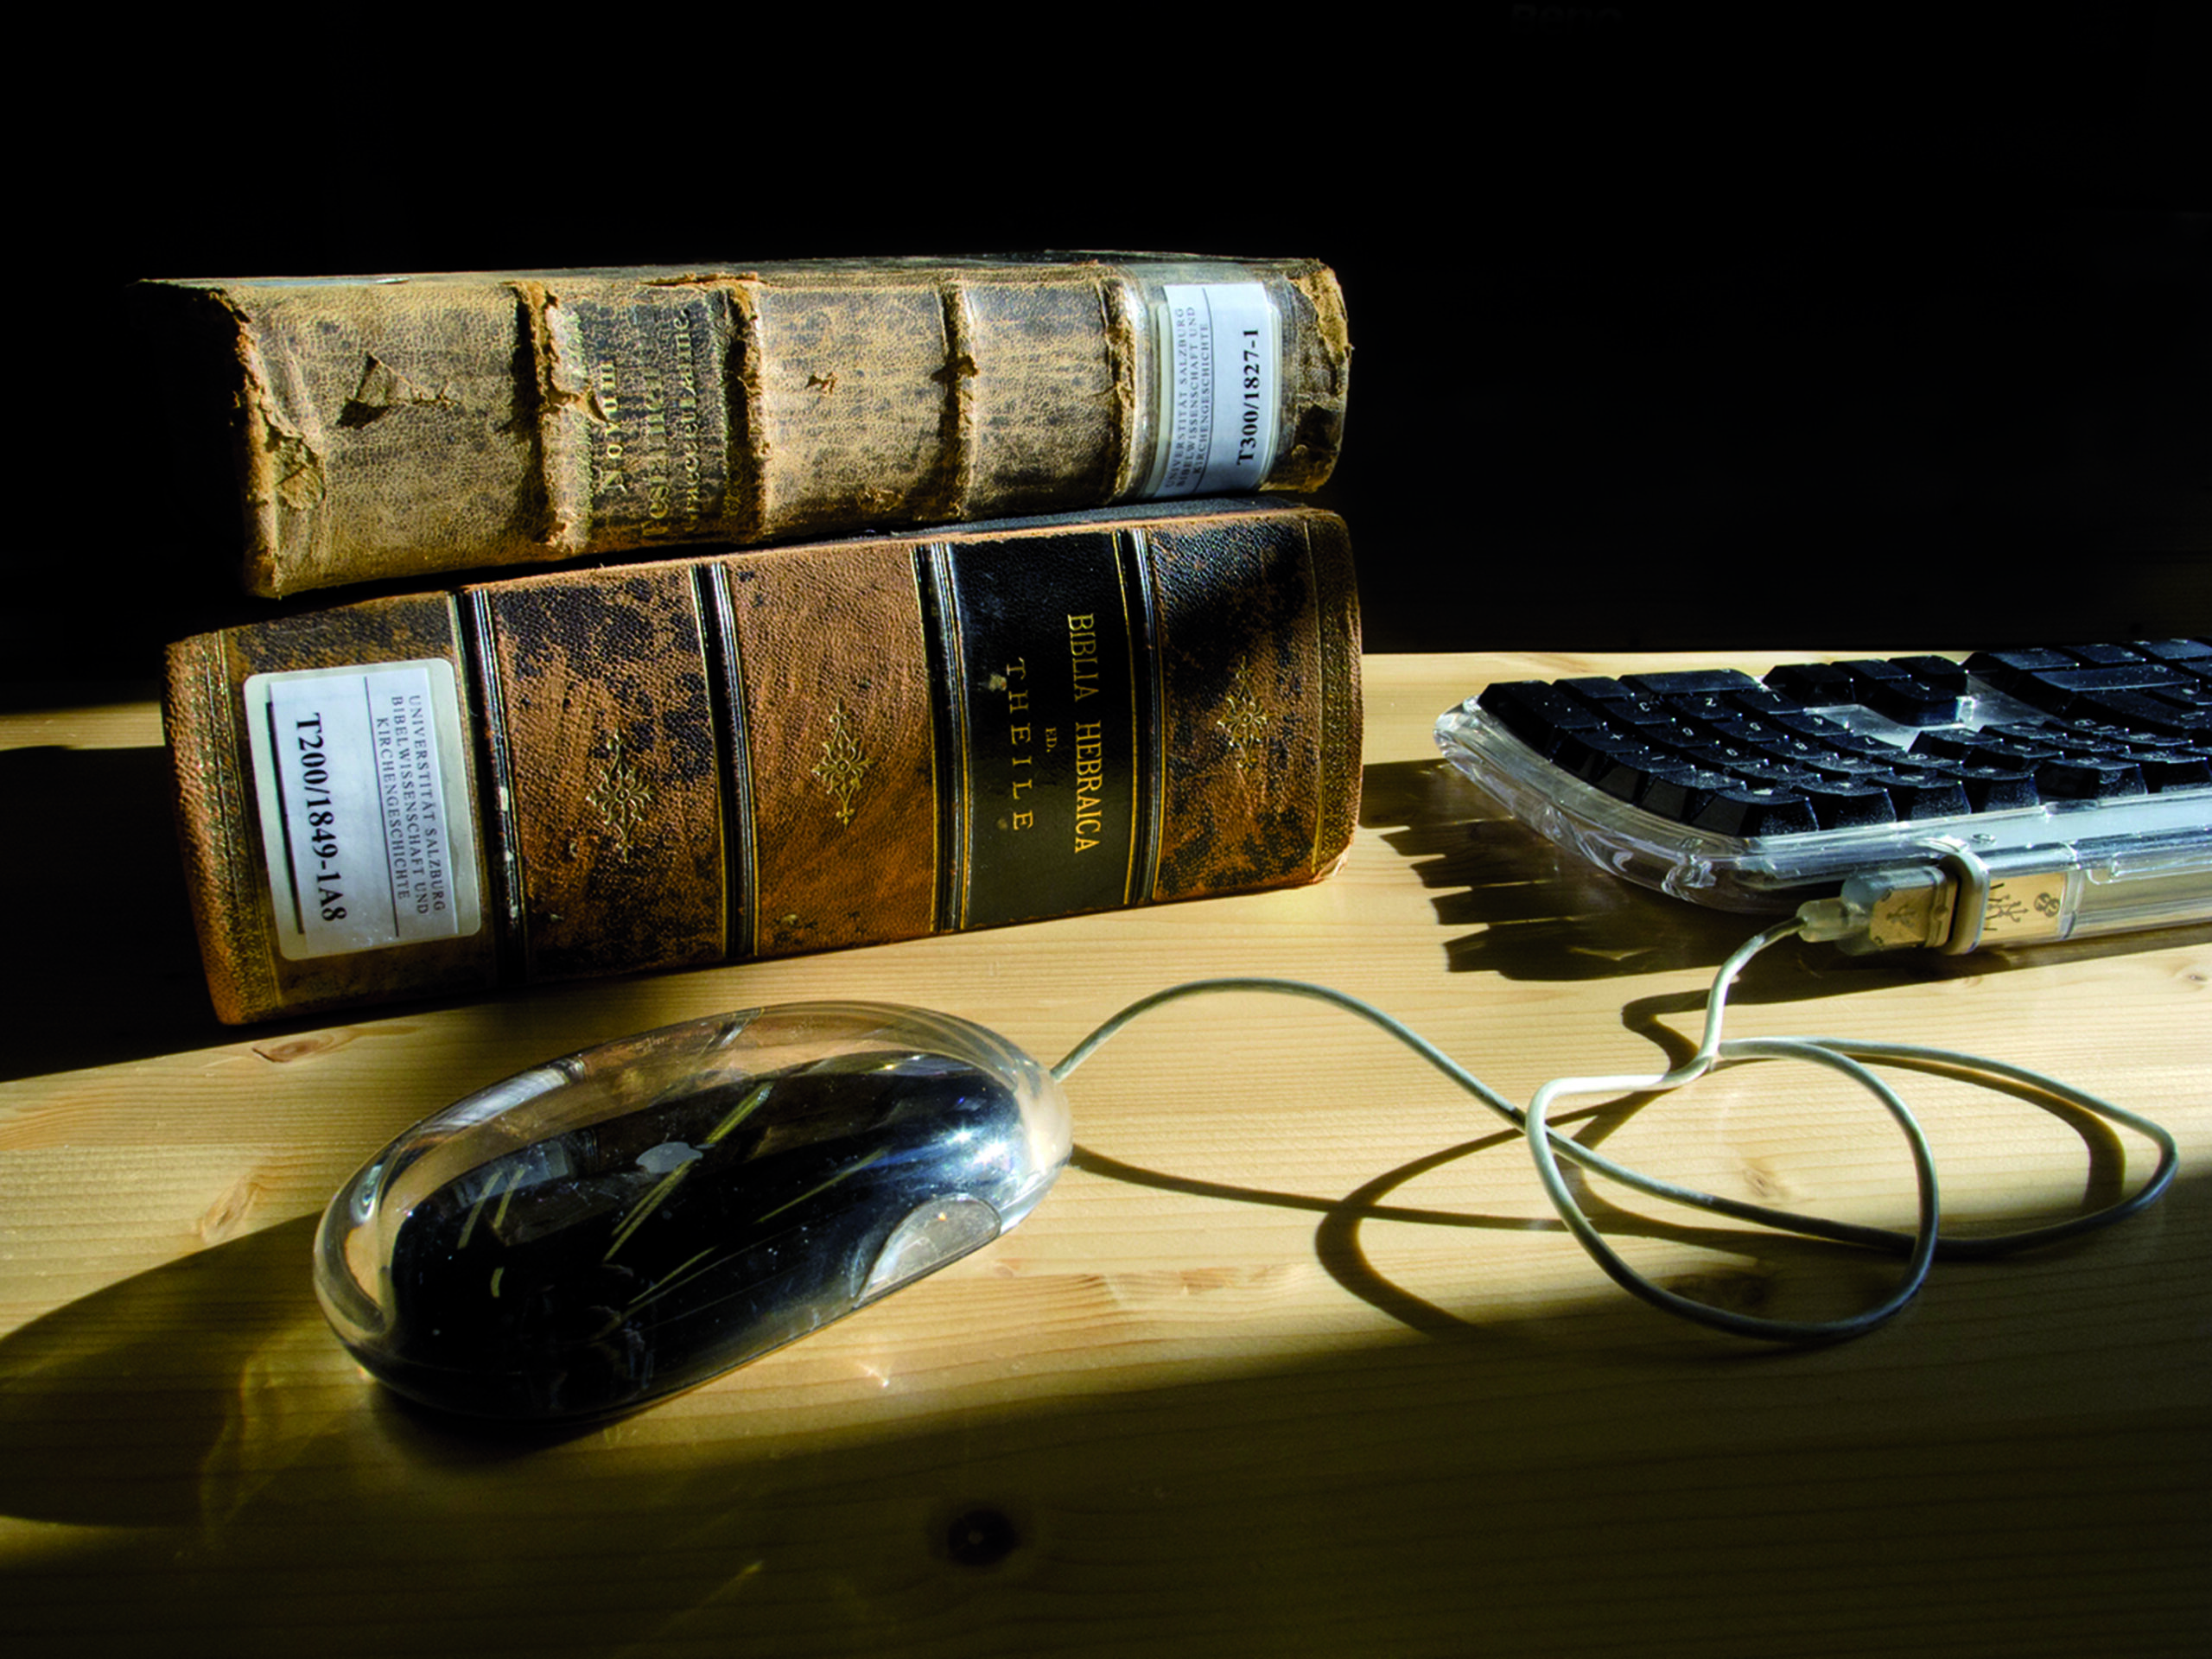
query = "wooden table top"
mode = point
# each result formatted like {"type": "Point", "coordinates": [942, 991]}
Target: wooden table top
{"type": "Point", "coordinates": [1293, 1359]}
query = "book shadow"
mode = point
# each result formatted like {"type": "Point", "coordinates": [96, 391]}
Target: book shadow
{"type": "Point", "coordinates": [109, 970]}
{"type": "Point", "coordinates": [100, 929]}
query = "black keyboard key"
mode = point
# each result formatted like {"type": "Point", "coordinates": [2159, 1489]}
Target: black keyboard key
{"type": "Point", "coordinates": [1595, 688]}
{"type": "Point", "coordinates": [2175, 769]}
{"type": "Point", "coordinates": [1800, 751]}
{"type": "Point", "coordinates": [1692, 682]}
{"type": "Point", "coordinates": [1779, 775]}
{"type": "Point", "coordinates": [1855, 767]}
{"type": "Point", "coordinates": [1911, 703]}
{"type": "Point", "coordinates": [2075, 693]}
{"type": "Point", "coordinates": [2145, 711]}
{"type": "Point", "coordinates": [1838, 803]}
{"type": "Point", "coordinates": [1752, 733]}
{"type": "Point", "coordinates": [1918, 795]}
{"type": "Point", "coordinates": [2002, 668]}
{"type": "Point", "coordinates": [1997, 788]}
{"type": "Point", "coordinates": [1680, 793]}
{"type": "Point", "coordinates": [1613, 761]}
{"type": "Point", "coordinates": [2096, 654]}
{"type": "Point", "coordinates": [1746, 812]}
{"type": "Point", "coordinates": [1624, 772]}
{"type": "Point", "coordinates": [1815, 726]}
{"type": "Point", "coordinates": [2030, 745]}
{"type": "Point", "coordinates": [1537, 713]}
{"type": "Point", "coordinates": [1940, 673]}
{"type": "Point", "coordinates": [1815, 684]}
{"type": "Point", "coordinates": [2182, 653]}
{"type": "Point", "coordinates": [2083, 778]}
{"type": "Point", "coordinates": [1764, 704]}
{"type": "Point", "coordinates": [1634, 708]}
{"type": "Point", "coordinates": [1703, 709]}
{"type": "Point", "coordinates": [1946, 746]}
{"type": "Point", "coordinates": [1894, 694]}
{"type": "Point", "coordinates": [2113, 676]}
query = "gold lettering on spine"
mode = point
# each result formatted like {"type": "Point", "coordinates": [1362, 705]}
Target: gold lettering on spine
{"type": "Point", "coordinates": [656, 460]}
{"type": "Point", "coordinates": [1089, 783]}
{"type": "Point", "coordinates": [684, 425]}
{"type": "Point", "coordinates": [1082, 654]}
{"type": "Point", "coordinates": [656, 447]}
{"type": "Point", "coordinates": [1018, 734]}
{"type": "Point", "coordinates": [609, 478]}
{"type": "Point", "coordinates": [1089, 735]}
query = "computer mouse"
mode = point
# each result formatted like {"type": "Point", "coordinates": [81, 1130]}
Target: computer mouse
{"type": "Point", "coordinates": [610, 1228]}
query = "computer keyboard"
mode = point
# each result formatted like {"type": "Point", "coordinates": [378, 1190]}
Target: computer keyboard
{"type": "Point", "coordinates": [2013, 796]}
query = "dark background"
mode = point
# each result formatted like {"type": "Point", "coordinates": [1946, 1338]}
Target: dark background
{"type": "Point", "coordinates": [1673, 327]}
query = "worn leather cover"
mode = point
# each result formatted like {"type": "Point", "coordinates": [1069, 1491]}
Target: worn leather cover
{"type": "Point", "coordinates": [227, 873]}
{"type": "Point", "coordinates": [686, 761]}
{"type": "Point", "coordinates": [409, 425]}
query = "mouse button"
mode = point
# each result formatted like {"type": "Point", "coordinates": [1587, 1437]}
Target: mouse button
{"type": "Point", "coordinates": [941, 1230]}
{"type": "Point", "coordinates": [919, 1042]}
{"type": "Point", "coordinates": [897, 1110]}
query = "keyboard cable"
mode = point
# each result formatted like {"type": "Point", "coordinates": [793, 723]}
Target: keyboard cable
{"type": "Point", "coordinates": [1922, 1246]}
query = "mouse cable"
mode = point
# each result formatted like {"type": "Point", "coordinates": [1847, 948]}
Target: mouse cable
{"type": "Point", "coordinates": [1920, 1247]}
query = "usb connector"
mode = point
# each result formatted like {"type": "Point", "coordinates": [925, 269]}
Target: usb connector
{"type": "Point", "coordinates": [1967, 900]}
{"type": "Point", "coordinates": [1900, 909]}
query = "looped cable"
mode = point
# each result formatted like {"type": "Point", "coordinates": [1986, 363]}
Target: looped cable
{"type": "Point", "coordinates": [1921, 1246]}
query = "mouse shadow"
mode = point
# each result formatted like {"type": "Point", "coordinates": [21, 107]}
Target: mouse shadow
{"type": "Point", "coordinates": [254, 1391]}
{"type": "Point", "coordinates": [252, 1388]}
{"type": "Point", "coordinates": [186, 1395]}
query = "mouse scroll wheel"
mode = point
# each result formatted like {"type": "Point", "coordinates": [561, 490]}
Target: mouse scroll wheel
{"type": "Point", "coordinates": [931, 1235]}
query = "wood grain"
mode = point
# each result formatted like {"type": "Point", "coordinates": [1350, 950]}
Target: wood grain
{"type": "Point", "coordinates": [1294, 1359]}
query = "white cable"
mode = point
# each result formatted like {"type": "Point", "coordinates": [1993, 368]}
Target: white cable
{"type": "Point", "coordinates": [1920, 1247]}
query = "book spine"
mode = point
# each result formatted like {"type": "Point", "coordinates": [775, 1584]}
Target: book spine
{"type": "Point", "coordinates": [682, 762]}
{"type": "Point", "coordinates": [409, 426]}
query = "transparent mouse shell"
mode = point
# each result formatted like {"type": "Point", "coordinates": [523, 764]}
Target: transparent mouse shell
{"type": "Point", "coordinates": [605, 1229]}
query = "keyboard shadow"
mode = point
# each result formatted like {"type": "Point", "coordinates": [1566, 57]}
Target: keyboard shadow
{"type": "Point", "coordinates": [1520, 907]}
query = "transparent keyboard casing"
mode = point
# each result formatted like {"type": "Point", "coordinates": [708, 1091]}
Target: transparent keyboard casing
{"type": "Point", "coordinates": [2056, 869]}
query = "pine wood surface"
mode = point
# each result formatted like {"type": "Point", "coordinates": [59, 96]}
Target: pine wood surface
{"type": "Point", "coordinates": [1293, 1359]}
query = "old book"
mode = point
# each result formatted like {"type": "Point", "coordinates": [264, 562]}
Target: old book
{"type": "Point", "coordinates": [398, 426]}
{"type": "Point", "coordinates": [680, 762]}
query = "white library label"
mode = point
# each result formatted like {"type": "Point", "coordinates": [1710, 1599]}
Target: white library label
{"type": "Point", "coordinates": [358, 771]}
{"type": "Point", "coordinates": [1220, 353]}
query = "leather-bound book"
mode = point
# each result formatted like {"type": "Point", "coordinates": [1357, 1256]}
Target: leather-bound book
{"type": "Point", "coordinates": [667, 764]}
{"type": "Point", "coordinates": [401, 426]}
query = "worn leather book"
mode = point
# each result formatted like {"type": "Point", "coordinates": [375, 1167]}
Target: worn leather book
{"type": "Point", "coordinates": [682, 762]}
{"type": "Point", "coordinates": [396, 426]}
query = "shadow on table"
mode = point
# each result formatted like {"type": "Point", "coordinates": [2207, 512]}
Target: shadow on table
{"type": "Point", "coordinates": [98, 929]}
{"type": "Point", "coordinates": [110, 970]}
{"type": "Point", "coordinates": [215, 1476]}
{"type": "Point", "coordinates": [1520, 907]}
